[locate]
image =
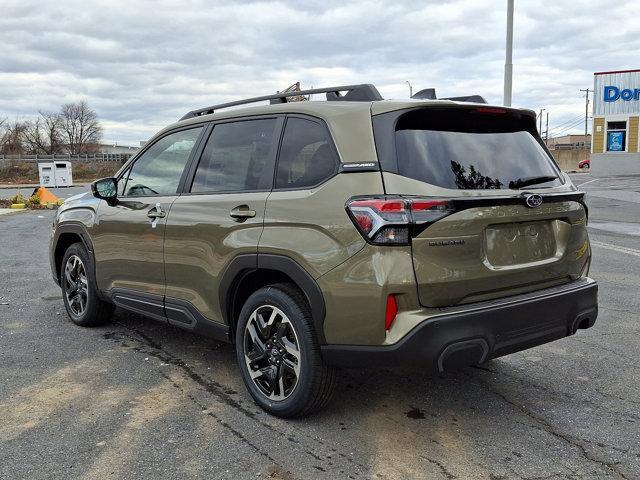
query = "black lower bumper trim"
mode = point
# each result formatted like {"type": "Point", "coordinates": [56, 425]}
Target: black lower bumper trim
{"type": "Point", "coordinates": [472, 334]}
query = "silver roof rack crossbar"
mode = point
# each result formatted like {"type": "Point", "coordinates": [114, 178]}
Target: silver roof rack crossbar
{"type": "Point", "coordinates": [355, 93]}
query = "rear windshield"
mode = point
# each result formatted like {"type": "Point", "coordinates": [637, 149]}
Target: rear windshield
{"type": "Point", "coordinates": [479, 148]}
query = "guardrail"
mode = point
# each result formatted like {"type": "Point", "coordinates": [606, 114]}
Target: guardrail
{"type": "Point", "coordinates": [89, 157]}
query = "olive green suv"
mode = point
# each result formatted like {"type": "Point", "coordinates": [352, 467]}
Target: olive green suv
{"type": "Point", "coordinates": [354, 231]}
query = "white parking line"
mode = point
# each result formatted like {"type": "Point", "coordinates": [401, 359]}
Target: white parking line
{"type": "Point", "coordinates": [588, 182]}
{"type": "Point", "coordinates": [616, 248]}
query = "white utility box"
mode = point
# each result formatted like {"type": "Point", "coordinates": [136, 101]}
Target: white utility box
{"type": "Point", "coordinates": [55, 174]}
{"type": "Point", "coordinates": [47, 174]}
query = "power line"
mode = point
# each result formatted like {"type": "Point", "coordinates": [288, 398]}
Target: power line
{"type": "Point", "coordinates": [567, 122]}
{"type": "Point", "coordinates": [569, 127]}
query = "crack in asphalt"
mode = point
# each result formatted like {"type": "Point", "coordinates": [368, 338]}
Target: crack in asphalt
{"type": "Point", "coordinates": [619, 310]}
{"type": "Point", "coordinates": [440, 466]}
{"type": "Point", "coordinates": [150, 347]}
{"type": "Point", "coordinates": [225, 424]}
{"type": "Point", "coordinates": [584, 401]}
{"type": "Point", "coordinates": [545, 426]}
{"type": "Point", "coordinates": [612, 351]}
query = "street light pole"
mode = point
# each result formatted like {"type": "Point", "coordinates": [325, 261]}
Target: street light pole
{"type": "Point", "coordinates": [540, 128]}
{"type": "Point", "coordinates": [410, 88]}
{"type": "Point", "coordinates": [508, 64]}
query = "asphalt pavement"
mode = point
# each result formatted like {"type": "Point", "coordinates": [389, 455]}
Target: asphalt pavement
{"type": "Point", "coordinates": [138, 399]}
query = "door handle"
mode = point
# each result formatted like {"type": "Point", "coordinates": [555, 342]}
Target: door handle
{"type": "Point", "coordinates": [242, 212]}
{"type": "Point", "coordinates": [156, 213]}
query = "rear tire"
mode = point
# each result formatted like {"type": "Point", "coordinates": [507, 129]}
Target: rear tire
{"type": "Point", "coordinates": [279, 354]}
{"type": "Point", "coordinates": [79, 290]}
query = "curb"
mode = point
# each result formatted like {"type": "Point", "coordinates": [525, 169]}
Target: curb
{"type": "Point", "coordinates": [13, 212]}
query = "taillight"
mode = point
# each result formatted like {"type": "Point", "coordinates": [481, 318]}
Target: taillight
{"type": "Point", "coordinates": [392, 221]}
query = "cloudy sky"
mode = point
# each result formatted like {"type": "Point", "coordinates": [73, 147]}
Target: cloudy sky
{"type": "Point", "coordinates": [142, 65]}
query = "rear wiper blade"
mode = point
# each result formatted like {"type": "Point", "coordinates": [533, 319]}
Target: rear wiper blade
{"type": "Point", "coordinates": [525, 182]}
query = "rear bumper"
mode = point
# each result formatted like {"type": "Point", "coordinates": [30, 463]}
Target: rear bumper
{"type": "Point", "coordinates": [473, 334]}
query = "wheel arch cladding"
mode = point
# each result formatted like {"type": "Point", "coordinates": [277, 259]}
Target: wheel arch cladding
{"type": "Point", "coordinates": [247, 273]}
{"type": "Point", "coordinates": [67, 235]}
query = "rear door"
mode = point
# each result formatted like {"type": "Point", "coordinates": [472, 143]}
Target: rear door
{"type": "Point", "coordinates": [493, 238]}
{"type": "Point", "coordinates": [220, 214]}
{"type": "Point", "coordinates": [128, 235]}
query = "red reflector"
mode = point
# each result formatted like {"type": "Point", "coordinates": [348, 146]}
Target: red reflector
{"type": "Point", "coordinates": [391, 312]}
{"type": "Point", "coordinates": [491, 110]}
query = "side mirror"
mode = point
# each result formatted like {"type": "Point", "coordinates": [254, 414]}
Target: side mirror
{"type": "Point", "coordinates": [105, 189]}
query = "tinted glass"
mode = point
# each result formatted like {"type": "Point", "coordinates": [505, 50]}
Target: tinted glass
{"type": "Point", "coordinates": [307, 157]}
{"type": "Point", "coordinates": [238, 157]}
{"type": "Point", "coordinates": [468, 149]}
{"type": "Point", "coordinates": [158, 170]}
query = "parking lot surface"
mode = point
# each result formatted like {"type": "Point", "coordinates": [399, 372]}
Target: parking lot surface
{"type": "Point", "coordinates": [138, 399]}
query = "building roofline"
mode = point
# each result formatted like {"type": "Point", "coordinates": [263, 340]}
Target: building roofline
{"type": "Point", "coordinates": [617, 71]}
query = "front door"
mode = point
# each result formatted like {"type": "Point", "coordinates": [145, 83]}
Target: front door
{"type": "Point", "coordinates": [219, 216]}
{"type": "Point", "coordinates": [128, 235]}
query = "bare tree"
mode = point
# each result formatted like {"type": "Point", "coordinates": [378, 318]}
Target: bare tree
{"type": "Point", "coordinates": [81, 129]}
{"type": "Point", "coordinates": [12, 137]}
{"type": "Point", "coordinates": [44, 135]}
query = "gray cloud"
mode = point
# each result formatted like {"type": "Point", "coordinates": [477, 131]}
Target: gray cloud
{"type": "Point", "coordinates": [142, 65]}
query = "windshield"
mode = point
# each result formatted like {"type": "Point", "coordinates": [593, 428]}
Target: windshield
{"type": "Point", "coordinates": [461, 149]}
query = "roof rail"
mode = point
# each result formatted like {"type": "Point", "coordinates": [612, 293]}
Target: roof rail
{"type": "Point", "coordinates": [430, 94]}
{"type": "Point", "coordinates": [356, 93]}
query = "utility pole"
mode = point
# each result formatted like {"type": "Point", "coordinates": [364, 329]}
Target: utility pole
{"type": "Point", "coordinates": [546, 129]}
{"type": "Point", "coordinates": [586, 112]}
{"type": "Point", "coordinates": [508, 64]}
{"type": "Point", "coordinates": [410, 88]}
{"type": "Point", "coordinates": [540, 127]}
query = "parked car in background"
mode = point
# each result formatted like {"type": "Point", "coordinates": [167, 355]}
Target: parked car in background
{"type": "Point", "coordinates": [352, 231]}
{"type": "Point", "coordinates": [586, 163]}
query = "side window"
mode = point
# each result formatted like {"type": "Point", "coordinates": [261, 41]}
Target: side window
{"type": "Point", "coordinates": [237, 157]}
{"type": "Point", "coordinates": [158, 170]}
{"type": "Point", "coordinates": [307, 157]}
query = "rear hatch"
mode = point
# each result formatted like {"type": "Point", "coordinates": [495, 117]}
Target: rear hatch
{"type": "Point", "coordinates": [507, 220]}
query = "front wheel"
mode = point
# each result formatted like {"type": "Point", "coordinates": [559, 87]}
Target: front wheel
{"type": "Point", "coordinates": [79, 290]}
{"type": "Point", "coordinates": [279, 354]}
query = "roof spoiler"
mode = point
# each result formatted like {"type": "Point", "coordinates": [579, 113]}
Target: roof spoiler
{"type": "Point", "coordinates": [430, 94]}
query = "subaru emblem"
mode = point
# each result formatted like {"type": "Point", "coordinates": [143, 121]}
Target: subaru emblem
{"type": "Point", "coordinates": [533, 201]}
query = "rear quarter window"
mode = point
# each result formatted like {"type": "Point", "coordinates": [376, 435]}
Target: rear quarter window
{"type": "Point", "coordinates": [307, 155]}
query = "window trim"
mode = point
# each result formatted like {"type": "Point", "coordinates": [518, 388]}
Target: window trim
{"type": "Point", "coordinates": [128, 166]}
{"type": "Point", "coordinates": [193, 168]}
{"type": "Point", "coordinates": [332, 145]}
